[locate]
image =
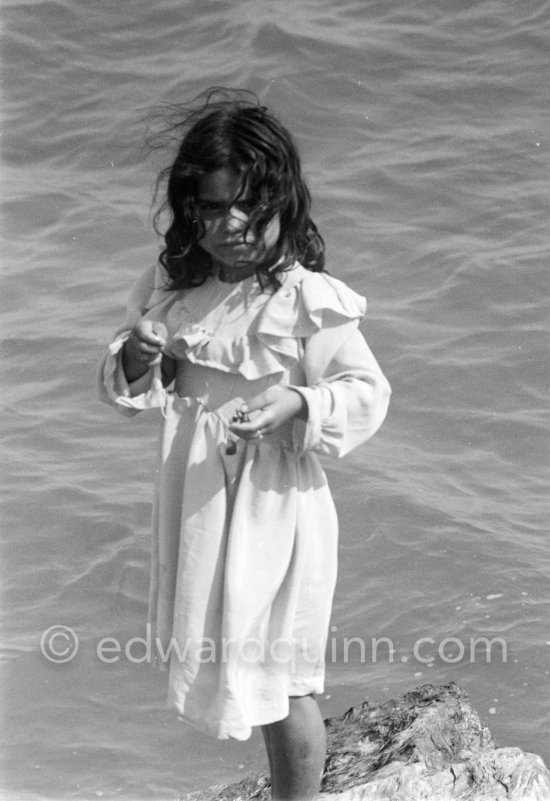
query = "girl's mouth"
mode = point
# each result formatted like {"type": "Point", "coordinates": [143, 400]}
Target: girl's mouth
{"type": "Point", "coordinates": [234, 247]}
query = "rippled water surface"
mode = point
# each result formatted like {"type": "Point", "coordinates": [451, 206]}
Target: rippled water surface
{"type": "Point", "coordinates": [424, 133]}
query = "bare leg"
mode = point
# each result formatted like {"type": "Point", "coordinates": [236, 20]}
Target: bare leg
{"type": "Point", "coordinates": [296, 747]}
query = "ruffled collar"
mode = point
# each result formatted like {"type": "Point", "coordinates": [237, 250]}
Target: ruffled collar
{"type": "Point", "coordinates": [241, 328]}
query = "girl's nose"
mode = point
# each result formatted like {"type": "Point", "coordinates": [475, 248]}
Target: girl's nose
{"type": "Point", "coordinates": [235, 219]}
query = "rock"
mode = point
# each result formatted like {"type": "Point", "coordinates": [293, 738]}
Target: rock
{"type": "Point", "coordinates": [428, 745]}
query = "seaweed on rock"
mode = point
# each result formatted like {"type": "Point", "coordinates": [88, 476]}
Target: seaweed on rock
{"type": "Point", "coordinates": [430, 744]}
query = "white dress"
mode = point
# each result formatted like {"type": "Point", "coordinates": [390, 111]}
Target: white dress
{"type": "Point", "coordinates": [245, 533]}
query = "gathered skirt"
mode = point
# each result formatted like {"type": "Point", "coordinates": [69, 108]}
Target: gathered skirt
{"type": "Point", "coordinates": [244, 561]}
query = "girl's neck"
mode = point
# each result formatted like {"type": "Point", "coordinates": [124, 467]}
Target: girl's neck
{"type": "Point", "coordinates": [231, 274]}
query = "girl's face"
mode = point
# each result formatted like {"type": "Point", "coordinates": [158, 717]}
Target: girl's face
{"type": "Point", "coordinates": [224, 216]}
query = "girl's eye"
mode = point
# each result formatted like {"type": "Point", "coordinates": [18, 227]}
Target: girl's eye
{"type": "Point", "coordinates": [208, 205]}
{"type": "Point", "coordinates": [245, 205]}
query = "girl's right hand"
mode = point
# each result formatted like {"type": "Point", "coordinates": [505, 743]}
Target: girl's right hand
{"type": "Point", "coordinates": [143, 348]}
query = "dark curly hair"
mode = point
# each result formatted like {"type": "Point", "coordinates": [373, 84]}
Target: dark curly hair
{"type": "Point", "coordinates": [232, 129]}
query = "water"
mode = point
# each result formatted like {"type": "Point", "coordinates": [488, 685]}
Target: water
{"type": "Point", "coordinates": [424, 133]}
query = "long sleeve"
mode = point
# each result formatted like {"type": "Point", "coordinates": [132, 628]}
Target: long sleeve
{"type": "Point", "coordinates": [347, 394]}
{"type": "Point", "coordinates": [148, 390]}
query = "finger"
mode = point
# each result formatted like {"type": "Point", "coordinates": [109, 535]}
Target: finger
{"type": "Point", "coordinates": [151, 339]}
{"type": "Point", "coordinates": [142, 350]}
{"type": "Point", "coordinates": [263, 399]}
{"type": "Point", "coordinates": [144, 333]}
{"type": "Point", "coordinates": [151, 331]}
{"type": "Point", "coordinates": [247, 428]}
{"type": "Point", "coordinates": [249, 437]}
{"type": "Point", "coordinates": [160, 330]}
{"type": "Point", "coordinates": [260, 425]}
{"type": "Point", "coordinates": [149, 348]}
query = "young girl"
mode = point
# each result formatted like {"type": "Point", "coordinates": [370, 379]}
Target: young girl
{"type": "Point", "coordinates": [253, 354]}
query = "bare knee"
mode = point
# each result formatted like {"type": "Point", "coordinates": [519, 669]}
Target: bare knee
{"type": "Point", "coordinates": [296, 748]}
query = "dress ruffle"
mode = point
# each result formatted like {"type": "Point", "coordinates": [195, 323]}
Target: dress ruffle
{"type": "Point", "coordinates": [305, 303]}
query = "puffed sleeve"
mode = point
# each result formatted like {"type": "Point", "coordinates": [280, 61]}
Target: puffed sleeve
{"type": "Point", "coordinates": [346, 393]}
{"type": "Point", "coordinates": [148, 391]}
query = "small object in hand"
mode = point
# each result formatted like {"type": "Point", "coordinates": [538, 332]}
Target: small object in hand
{"type": "Point", "coordinates": [240, 416]}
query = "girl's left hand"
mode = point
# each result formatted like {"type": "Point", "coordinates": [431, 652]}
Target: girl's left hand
{"type": "Point", "coordinates": [275, 406]}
